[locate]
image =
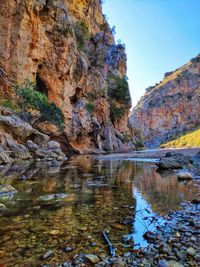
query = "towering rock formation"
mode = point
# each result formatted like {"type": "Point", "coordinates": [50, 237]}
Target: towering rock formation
{"type": "Point", "coordinates": [68, 49]}
{"type": "Point", "coordinates": [170, 107]}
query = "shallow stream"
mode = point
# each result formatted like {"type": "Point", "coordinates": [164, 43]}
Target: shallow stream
{"type": "Point", "coordinates": [65, 208]}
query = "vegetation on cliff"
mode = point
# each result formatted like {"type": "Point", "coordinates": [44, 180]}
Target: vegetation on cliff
{"type": "Point", "coordinates": [30, 98]}
{"type": "Point", "coordinates": [189, 139]}
{"type": "Point", "coordinates": [119, 96]}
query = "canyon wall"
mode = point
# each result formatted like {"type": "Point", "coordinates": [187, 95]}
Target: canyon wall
{"type": "Point", "coordinates": [170, 107]}
{"type": "Point", "coordinates": [67, 48]}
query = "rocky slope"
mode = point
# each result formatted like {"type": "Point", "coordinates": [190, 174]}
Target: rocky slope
{"type": "Point", "coordinates": [170, 107]}
{"type": "Point", "coordinates": [67, 48]}
{"type": "Point", "coordinates": [19, 141]}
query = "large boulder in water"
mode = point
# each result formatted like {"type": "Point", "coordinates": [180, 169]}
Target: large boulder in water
{"type": "Point", "coordinates": [174, 160]}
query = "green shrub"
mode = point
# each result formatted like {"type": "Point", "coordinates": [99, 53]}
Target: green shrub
{"type": "Point", "coordinates": [30, 98]}
{"type": "Point", "coordinates": [65, 29]}
{"type": "Point", "coordinates": [116, 112]}
{"type": "Point", "coordinates": [81, 33]}
{"type": "Point", "coordinates": [118, 89]}
{"type": "Point", "coordinates": [126, 137]}
{"type": "Point", "coordinates": [90, 107]}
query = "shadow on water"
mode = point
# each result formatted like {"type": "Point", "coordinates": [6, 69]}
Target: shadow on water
{"type": "Point", "coordinates": [70, 205]}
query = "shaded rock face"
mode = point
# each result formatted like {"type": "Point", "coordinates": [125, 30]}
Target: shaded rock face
{"type": "Point", "coordinates": [19, 141]}
{"type": "Point", "coordinates": [171, 107]}
{"type": "Point", "coordinates": [68, 49]}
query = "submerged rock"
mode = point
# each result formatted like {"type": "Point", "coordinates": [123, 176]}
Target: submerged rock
{"type": "Point", "coordinates": [7, 190]}
{"type": "Point", "coordinates": [53, 196]}
{"type": "Point", "coordinates": [47, 254]}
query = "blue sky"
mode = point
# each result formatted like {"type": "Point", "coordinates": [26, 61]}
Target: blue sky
{"type": "Point", "coordinates": [160, 36]}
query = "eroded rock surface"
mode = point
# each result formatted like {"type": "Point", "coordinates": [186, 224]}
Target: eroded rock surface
{"type": "Point", "coordinates": [68, 49]}
{"type": "Point", "coordinates": [19, 141]}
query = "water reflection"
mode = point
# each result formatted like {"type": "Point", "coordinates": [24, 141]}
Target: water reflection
{"type": "Point", "coordinates": [115, 195]}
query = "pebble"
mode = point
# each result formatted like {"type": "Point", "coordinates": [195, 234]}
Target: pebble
{"type": "Point", "coordinates": [162, 263]}
{"type": "Point", "coordinates": [191, 251]}
{"type": "Point", "coordinates": [174, 264]}
{"type": "Point", "coordinates": [47, 254]}
{"type": "Point", "coordinates": [68, 249]}
{"type": "Point", "coordinates": [54, 232]}
{"type": "Point", "coordinates": [92, 258]}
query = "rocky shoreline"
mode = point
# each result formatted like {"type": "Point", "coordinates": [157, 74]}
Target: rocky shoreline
{"type": "Point", "coordinates": [19, 141]}
{"type": "Point", "coordinates": [175, 245]}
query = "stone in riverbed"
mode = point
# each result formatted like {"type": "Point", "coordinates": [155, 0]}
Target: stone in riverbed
{"type": "Point", "coordinates": [2, 207]}
{"type": "Point", "coordinates": [173, 263]}
{"type": "Point", "coordinates": [191, 252]}
{"type": "Point", "coordinates": [47, 254]}
{"type": "Point", "coordinates": [53, 196]}
{"type": "Point", "coordinates": [185, 175]}
{"type": "Point", "coordinates": [150, 236]}
{"type": "Point", "coordinates": [68, 249]}
{"type": "Point", "coordinates": [54, 232]}
{"type": "Point", "coordinates": [7, 190]}
{"type": "Point", "coordinates": [118, 226]}
{"type": "Point", "coordinates": [92, 258]}
{"type": "Point", "coordinates": [162, 263]}
{"type": "Point", "coordinates": [165, 249]}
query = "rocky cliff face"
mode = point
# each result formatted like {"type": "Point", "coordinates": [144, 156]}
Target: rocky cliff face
{"type": "Point", "coordinates": [67, 48]}
{"type": "Point", "coordinates": [170, 107]}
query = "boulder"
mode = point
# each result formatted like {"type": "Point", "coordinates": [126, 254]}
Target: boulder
{"type": "Point", "coordinates": [17, 126]}
{"type": "Point", "coordinates": [18, 150]}
{"type": "Point", "coordinates": [53, 145]}
{"type": "Point", "coordinates": [4, 157]}
{"type": "Point", "coordinates": [174, 161]}
{"type": "Point", "coordinates": [31, 145]}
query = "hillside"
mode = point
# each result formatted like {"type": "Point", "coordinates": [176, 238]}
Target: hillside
{"type": "Point", "coordinates": [170, 107]}
{"type": "Point", "coordinates": [191, 139]}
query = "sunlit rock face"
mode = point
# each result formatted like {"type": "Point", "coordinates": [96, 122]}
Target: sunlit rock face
{"type": "Point", "coordinates": [67, 48]}
{"type": "Point", "coordinates": [171, 107]}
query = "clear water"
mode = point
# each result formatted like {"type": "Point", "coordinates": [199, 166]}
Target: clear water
{"type": "Point", "coordinates": [122, 196]}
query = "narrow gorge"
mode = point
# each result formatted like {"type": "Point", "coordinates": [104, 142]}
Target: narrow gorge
{"type": "Point", "coordinates": [85, 179]}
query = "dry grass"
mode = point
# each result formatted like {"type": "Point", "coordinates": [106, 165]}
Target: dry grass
{"type": "Point", "coordinates": [191, 139]}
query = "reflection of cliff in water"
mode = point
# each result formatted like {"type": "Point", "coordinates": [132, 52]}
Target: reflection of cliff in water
{"type": "Point", "coordinates": [101, 194]}
{"type": "Point", "coordinates": [162, 190]}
